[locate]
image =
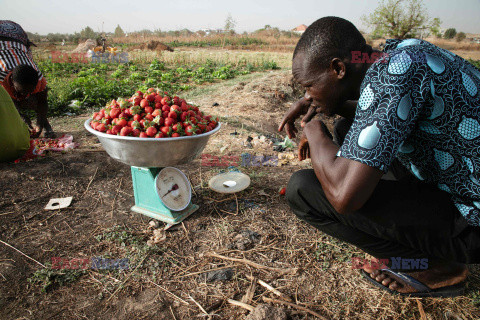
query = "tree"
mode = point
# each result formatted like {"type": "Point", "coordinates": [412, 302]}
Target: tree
{"type": "Point", "coordinates": [460, 36]}
{"type": "Point", "coordinates": [450, 33]}
{"type": "Point", "coordinates": [119, 32]}
{"type": "Point", "coordinates": [435, 27]}
{"type": "Point", "coordinates": [229, 24]}
{"type": "Point", "coordinates": [400, 19]}
{"type": "Point", "coordinates": [88, 33]}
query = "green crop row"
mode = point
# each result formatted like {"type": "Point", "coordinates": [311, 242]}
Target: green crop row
{"type": "Point", "coordinates": [97, 83]}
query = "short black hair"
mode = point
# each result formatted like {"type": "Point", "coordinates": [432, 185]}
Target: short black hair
{"type": "Point", "coordinates": [328, 38]}
{"type": "Point", "coordinates": [25, 75]}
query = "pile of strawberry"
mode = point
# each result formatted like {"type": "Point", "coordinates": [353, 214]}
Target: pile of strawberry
{"type": "Point", "coordinates": [152, 114]}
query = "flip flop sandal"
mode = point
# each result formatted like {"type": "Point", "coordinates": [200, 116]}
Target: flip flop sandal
{"type": "Point", "coordinates": [422, 290]}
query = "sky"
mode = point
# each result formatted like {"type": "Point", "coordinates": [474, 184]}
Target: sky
{"type": "Point", "coordinates": [66, 16]}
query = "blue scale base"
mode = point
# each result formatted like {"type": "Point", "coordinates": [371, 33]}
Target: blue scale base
{"type": "Point", "coordinates": [147, 201]}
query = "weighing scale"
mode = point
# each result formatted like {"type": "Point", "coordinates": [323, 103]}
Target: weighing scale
{"type": "Point", "coordinates": [161, 191]}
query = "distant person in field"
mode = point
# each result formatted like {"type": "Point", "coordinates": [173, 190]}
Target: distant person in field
{"type": "Point", "coordinates": [414, 113]}
{"type": "Point", "coordinates": [21, 78]}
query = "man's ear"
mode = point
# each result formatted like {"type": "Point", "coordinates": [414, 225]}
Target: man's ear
{"type": "Point", "coordinates": [338, 67]}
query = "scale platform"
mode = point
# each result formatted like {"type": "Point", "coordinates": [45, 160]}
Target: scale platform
{"type": "Point", "coordinates": [157, 197]}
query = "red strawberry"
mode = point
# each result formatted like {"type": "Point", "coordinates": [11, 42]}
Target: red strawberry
{"type": "Point", "coordinates": [101, 127]}
{"type": "Point", "coordinates": [169, 121]}
{"type": "Point", "coordinates": [114, 112]}
{"type": "Point", "coordinates": [116, 129]}
{"type": "Point", "coordinates": [151, 131]}
{"type": "Point", "coordinates": [172, 114]}
{"type": "Point", "coordinates": [122, 122]}
{"type": "Point", "coordinates": [148, 109]}
{"type": "Point", "coordinates": [126, 131]}
{"type": "Point", "coordinates": [165, 100]}
{"type": "Point", "coordinates": [167, 131]}
{"type": "Point", "coordinates": [137, 117]}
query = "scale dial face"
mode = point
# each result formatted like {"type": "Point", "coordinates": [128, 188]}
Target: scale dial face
{"type": "Point", "coordinates": [173, 188]}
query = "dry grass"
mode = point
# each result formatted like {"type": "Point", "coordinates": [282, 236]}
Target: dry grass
{"type": "Point", "coordinates": [267, 38]}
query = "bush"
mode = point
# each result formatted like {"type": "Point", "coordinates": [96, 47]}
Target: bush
{"type": "Point", "coordinates": [450, 33]}
{"type": "Point", "coordinates": [460, 36]}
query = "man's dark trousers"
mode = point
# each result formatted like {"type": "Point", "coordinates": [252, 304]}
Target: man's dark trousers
{"type": "Point", "coordinates": [404, 218]}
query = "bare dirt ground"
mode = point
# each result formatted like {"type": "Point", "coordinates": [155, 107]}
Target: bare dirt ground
{"type": "Point", "coordinates": [251, 234]}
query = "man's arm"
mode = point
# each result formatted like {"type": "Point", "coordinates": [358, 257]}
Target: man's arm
{"type": "Point", "coordinates": [347, 184]}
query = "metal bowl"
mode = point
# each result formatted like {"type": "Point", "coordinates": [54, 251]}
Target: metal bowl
{"type": "Point", "coordinates": [151, 152]}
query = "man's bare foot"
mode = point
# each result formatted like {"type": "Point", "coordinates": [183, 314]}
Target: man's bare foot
{"type": "Point", "coordinates": [438, 275]}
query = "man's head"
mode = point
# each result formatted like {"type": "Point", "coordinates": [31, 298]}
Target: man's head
{"type": "Point", "coordinates": [25, 79]}
{"type": "Point", "coordinates": [321, 62]}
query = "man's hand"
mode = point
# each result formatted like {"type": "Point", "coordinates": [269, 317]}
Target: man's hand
{"type": "Point", "coordinates": [314, 127]}
{"type": "Point", "coordinates": [311, 128]}
{"type": "Point", "coordinates": [312, 111]}
{"type": "Point", "coordinates": [296, 110]}
{"type": "Point", "coordinates": [303, 149]}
